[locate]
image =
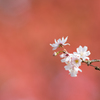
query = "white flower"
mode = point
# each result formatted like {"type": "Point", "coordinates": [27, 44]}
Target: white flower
{"type": "Point", "coordinates": [73, 59]}
{"type": "Point", "coordinates": [76, 61]}
{"type": "Point", "coordinates": [59, 43]}
{"type": "Point", "coordinates": [66, 59]}
{"type": "Point", "coordinates": [74, 71]}
{"type": "Point", "coordinates": [82, 52]}
{"type": "Point", "coordinates": [73, 62]}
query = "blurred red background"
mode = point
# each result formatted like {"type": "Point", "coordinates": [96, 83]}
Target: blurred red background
{"type": "Point", "coordinates": [28, 71]}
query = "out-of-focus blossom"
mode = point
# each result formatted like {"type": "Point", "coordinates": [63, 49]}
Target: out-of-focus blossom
{"type": "Point", "coordinates": [59, 43]}
{"type": "Point", "coordinates": [73, 62]}
{"type": "Point", "coordinates": [82, 52]}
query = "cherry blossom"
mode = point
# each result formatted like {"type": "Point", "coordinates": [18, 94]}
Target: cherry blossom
{"type": "Point", "coordinates": [72, 60]}
{"type": "Point", "coordinates": [72, 64]}
{"type": "Point", "coordinates": [59, 43]}
{"type": "Point", "coordinates": [82, 52]}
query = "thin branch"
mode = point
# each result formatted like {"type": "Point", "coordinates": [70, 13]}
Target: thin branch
{"type": "Point", "coordinates": [95, 60]}
{"type": "Point", "coordinates": [89, 62]}
{"type": "Point", "coordinates": [96, 67]}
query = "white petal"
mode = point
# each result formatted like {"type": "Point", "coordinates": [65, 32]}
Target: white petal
{"type": "Point", "coordinates": [87, 53]}
{"type": "Point", "coordinates": [66, 44]}
{"type": "Point", "coordinates": [66, 67]}
{"type": "Point", "coordinates": [73, 75]}
{"type": "Point", "coordinates": [66, 38]}
{"type": "Point", "coordinates": [63, 60]}
{"type": "Point", "coordinates": [79, 69]}
{"type": "Point", "coordinates": [79, 49]}
{"type": "Point", "coordinates": [84, 49]}
{"type": "Point", "coordinates": [54, 45]}
{"type": "Point", "coordinates": [59, 40]}
{"type": "Point", "coordinates": [54, 48]}
{"type": "Point", "coordinates": [73, 72]}
{"type": "Point", "coordinates": [62, 38]}
{"type": "Point", "coordinates": [76, 54]}
{"type": "Point", "coordinates": [55, 41]}
{"type": "Point", "coordinates": [62, 55]}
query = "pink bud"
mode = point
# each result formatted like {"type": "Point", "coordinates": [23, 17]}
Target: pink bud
{"type": "Point", "coordinates": [55, 54]}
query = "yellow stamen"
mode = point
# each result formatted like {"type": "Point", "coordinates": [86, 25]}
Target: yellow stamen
{"type": "Point", "coordinates": [76, 61]}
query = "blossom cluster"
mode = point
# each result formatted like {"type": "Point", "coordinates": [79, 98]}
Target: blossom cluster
{"type": "Point", "coordinates": [72, 60]}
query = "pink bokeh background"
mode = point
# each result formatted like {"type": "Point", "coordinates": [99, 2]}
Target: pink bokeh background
{"type": "Point", "coordinates": [28, 71]}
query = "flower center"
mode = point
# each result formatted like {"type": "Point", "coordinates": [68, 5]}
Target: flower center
{"type": "Point", "coordinates": [81, 53]}
{"type": "Point", "coordinates": [60, 45]}
{"type": "Point", "coordinates": [76, 61]}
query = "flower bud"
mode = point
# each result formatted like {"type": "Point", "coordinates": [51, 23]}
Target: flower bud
{"type": "Point", "coordinates": [55, 54]}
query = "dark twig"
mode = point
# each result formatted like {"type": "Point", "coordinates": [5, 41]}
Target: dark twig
{"type": "Point", "coordinates": [89, 62]}
{"type": "Point", "coordinates": [96, 67]}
